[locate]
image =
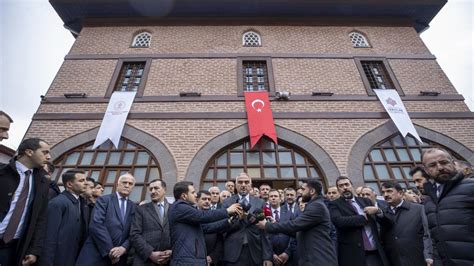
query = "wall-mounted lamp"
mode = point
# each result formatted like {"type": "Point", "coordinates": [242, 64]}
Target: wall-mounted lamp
{"type": "Point", "coordinates": [190, 94]}
{"type": "Point", "coordinates": [316, 93]}
{"type": "Point", "coordinates": [282, 95]}
{"type": "Point", "coordinates": [429, 93]}
{"type": "Point", "coordinates": [75, 95]}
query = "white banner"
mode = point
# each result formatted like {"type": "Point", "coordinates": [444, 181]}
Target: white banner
{"type": "Point", "coordinates": [115, 117]}
{"type": "Point", "coordinates": [393, 104]}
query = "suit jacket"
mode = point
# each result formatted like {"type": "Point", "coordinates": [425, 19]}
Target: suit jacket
{"type": "Point", "coordinates": [32, 238]}
{"type": "Point", "coordinates": [283, 242]}
{"type": "Point", "coordinates": [258, 244]}
{"type": "Point", "coordinates": [187, 228]}
{"type": "Point", "coordinates": [66, 228]}
{"type": "Point", "coordinates": [106, 231]}
{"type": "Point", "coordinates": [148, 233]}
{"type": "Point", "coordinates": [349, 225]}
{"type": "Point", "coordinates": [312, 229]}
{"type": "Point", "coordinates": [406, 236]}
{"type": "Point", "coordinates": [296, 210]}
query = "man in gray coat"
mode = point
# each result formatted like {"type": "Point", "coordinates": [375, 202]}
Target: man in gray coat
{"type": "Point", "coordinates": [405, 234]}
{"type": "Point", "coordinates": [312, 228]}
{"type": "Point", "coordinates": [150, 230]}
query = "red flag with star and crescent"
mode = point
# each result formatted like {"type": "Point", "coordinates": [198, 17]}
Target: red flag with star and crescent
{"type": "Point", "coordinates": [259, 116]}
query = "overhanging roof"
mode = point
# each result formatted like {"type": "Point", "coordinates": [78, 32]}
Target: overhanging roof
{"type": "Point", "coordinates": [73, 12]}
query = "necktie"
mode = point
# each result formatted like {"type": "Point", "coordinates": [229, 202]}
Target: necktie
{"type": "Point", "coordinates": [277, 216]}
{"type": "Point", "coordinates": [365, 237]}
{"type": "Point", "coordinates": [122, 208]}
{"type": "Point", "coordinates": [161, 212]}
{"type": "Point", "coordinates": [213, 207]}
{"type": "Point", "coordinates": [439, 189]}
{"type": "Point", "coordinates": [19, 209]}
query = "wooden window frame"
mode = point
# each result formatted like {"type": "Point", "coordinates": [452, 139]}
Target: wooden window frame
{"type": "Point", "coordinates": [240, 81]}
{"type": "Point", "coordinates": [242, 147]}
{"type": "Point", "coordinates": [386, 65]}
{"type": "Point", "coordinates": [116, 75]}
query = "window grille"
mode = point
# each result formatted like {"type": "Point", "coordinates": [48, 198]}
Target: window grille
{"type": "Point", "coordinates": [251, 39]}
{"type": "Point", "coordinates": [142, 40]}
{"type": "Point", "coordinates": [358, 40]}
{"type": "Point", "coordinates": [255, 76]}
{"type": "Point", "coordinates": [377, 75]}
{"type": "Point", "coordinates": [130, 76]}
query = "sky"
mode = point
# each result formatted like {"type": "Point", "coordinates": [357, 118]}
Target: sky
{"type": "Point", "coordinates": [33, 43]}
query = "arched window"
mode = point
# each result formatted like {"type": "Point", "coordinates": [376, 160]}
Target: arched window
{"type": "Point", "coordinates": [251, 38]}
{"type": "Point", "coordinates": [279, 165]}
{"type": "Point", "coordinates": [358, 40]}
{"type": "Point", "coordinates": [393, 158]}
{"type": "Point", "coordinates": [142, 40]}
{"type": "Point", "coordinates": [105, 164]}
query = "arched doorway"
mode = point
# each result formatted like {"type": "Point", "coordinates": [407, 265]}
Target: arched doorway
{"type": "Point", "coordinates": [281, 166]}
{"type": "Point", "coordinates": [106, 164]}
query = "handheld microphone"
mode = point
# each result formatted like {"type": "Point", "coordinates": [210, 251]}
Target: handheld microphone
{"type": "Point", "coordinates": [257, 216]}
{"type": "Point", "coordinates": [267, 210]}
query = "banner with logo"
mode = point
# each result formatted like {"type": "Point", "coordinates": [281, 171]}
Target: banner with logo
{"type": "Point", "coordinates": [115, 117]}
{"type": "Point", "coordinates": [394, 106]}
{"type": "Point", "coordinates": [259, 116]}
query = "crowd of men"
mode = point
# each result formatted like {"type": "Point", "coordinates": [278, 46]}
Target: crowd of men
{"type": "Point", "coordinates": [238, 225]}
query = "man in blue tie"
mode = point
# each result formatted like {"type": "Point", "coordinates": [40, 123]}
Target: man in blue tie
{"type": "Point", "coordinates": [109, 227]}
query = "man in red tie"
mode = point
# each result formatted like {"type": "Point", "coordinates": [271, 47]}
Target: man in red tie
{"type": "Point", "coordinates": [357, 234]}
{"type": "Point", "coordinates": [23, 203]}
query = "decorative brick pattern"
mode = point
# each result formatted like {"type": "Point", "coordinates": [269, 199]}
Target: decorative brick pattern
{"type": "Point", "coordinates": [228, 39]}
{"type": "Point", "coordinates": [277, 106]}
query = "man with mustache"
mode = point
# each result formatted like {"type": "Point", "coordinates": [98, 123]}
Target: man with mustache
{"type": "Point", "coordinates": [357, 235]}
{"type": "Point", "coordinates": [406, 236]}
{"type": "Point", "coordinates": [449, 207]}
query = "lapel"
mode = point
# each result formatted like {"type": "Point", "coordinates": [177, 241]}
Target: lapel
{"type": "Point", "coordinates": [151, 209]}
{"type": "Point", "coordinates": [114, 200]}
{"type": "Point", "coordinates": [346, 206]}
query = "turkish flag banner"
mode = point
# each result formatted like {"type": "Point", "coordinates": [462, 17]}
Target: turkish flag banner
{"type": "Point", "coordinates": [259, 116]}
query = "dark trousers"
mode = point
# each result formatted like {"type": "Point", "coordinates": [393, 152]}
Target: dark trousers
{"type": "Point", "coordinates": [245, 259]}
{"type": "Point", "coordinates": [8, 254]}
{"type": "Point", "coordinates": [372, 258]}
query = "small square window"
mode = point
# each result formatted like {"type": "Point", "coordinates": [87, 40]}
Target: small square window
{"type": "Point", "coordinates": [376, 74]}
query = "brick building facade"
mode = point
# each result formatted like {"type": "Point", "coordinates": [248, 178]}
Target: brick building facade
{"type": "Point", "coordinates": [205, 138]}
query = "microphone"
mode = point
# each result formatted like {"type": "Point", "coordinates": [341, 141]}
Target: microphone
{"type": "Point", "coordinates": [257, 216]}
{"type": "Point", "coordinates": [267, 210]}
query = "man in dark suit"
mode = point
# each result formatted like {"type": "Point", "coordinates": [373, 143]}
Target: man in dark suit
{"type": "Point", "coordinates": [244, 243]}
{"type": "Point", "coordinates": [315, 246]}
{"type": "Point", "coordinates": [283, 245]}
{"type": "Point", "coordinates": [215, 198]}
{"type": "Point", "coordinates": [150, 230]}
{"type": "Point", "coordinates": [290, 202]}
{"type": "Point", "coordinates": [66, 227]}
{"type": "Point", "coordinates": [188, 225]}
{"type": "Point", "coordinates": [23, 204]}
{"type": "Point", "coordinates": [357, 233]}
{"type": "Point", "coordinates": [109, 227]}
{"type": "Point", "coordinates": [214, 241]}
{"type": "Point", "coordinates": [406, 236]}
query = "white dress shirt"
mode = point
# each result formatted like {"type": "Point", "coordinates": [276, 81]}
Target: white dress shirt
{"type": "Point", "coordinates": [3, 226]}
